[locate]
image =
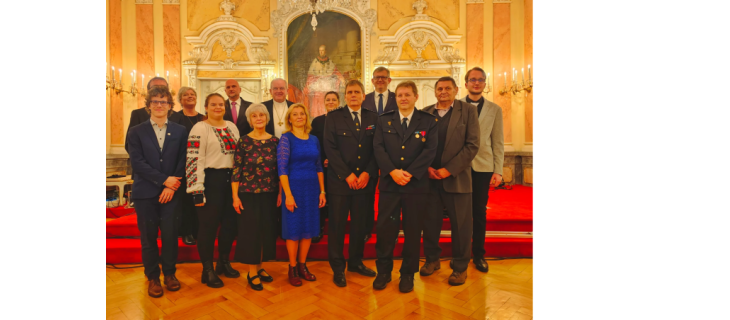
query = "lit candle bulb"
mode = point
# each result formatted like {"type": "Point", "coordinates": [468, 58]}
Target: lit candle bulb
{"type": "Point", "coordinates": [113, 73]}
{"type": "Point", "coordinates": [120, 74]}
{"type": "Point", "coordinates": [513, 75]}
{"type": "Point", "coordinates": [143, 78]}
{"type": "Point", "coordinates": [523, 74]}
{"type": "Point", "coordinates": [505, 80]}
{"type": "Point", "coordinates": [529, 73]}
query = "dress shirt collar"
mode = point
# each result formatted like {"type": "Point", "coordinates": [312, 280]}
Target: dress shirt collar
{"type": "Point", "coordinates": [154, 124]}
{"type": "Point", "coordinates": [410, 116]}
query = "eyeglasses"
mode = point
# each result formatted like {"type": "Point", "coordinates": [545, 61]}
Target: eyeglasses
{"type": "Point", "coordinates": [473, 80]}
{"type": "Point", "coordinates": [381, 78]}
{"type": "Point", "coordinates": [162, 103]}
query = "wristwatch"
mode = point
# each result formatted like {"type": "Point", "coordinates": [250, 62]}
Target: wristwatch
{"type": "Point", "coordinates": [322, 192]}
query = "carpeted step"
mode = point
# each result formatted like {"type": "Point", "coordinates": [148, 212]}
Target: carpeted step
{"type": "Point", "coordinates": [129, 250]}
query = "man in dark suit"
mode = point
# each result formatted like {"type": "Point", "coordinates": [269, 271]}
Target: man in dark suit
{"type": "Point", "coordinates": [277, 107]}
{"type": "Point", "coordinates": [486, 168]}
{"type": "Point", "coordinates": [348, 143]}
{"type": "Point", "coordinates": [157, 149]}
{"type": "Point", "coordinates": [450, 174]}
{"type": "Point", "coordinates": [141, 115]}
{"type": "Point", "coordinates": [236, 107]}
{"type": "Point", "coordinates": [405, 145]}
{"type": "Point", "coordinates": [381, 100]}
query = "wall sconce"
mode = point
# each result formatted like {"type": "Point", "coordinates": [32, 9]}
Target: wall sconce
{"type": "Point", "coordinates": [518, 86]}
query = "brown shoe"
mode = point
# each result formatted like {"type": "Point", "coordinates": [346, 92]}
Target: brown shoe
{"type": "Point", "coordinates": [294, 276]}
{"type": "Point", "coordinates": [171, 283]}
{"type": "Point", "coordinates": [430, 267]}
{"type": "Point", "coordinates": [304, 272]}
{"type": "Point", "coordinates": [155, 289]}
{"type": "Point", "coordinates": [457, 278]}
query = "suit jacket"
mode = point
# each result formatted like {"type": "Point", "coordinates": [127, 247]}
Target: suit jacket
{"type": "Point", "coordinates": [462, 144]}
{"type": "Point", "coordinates": [138, 116]}
{"type": "Point", "coordinates": [242, 124]}
{"type": "Point", "coordinates": [395, 149]}
{"type": "Point", "coordinates": [490, 157]}
{"type": "Point", "coordinates": [270, 106]}
{"type": "Point", "coordinates": [350, 150]}
{"type": "Point", "coordinates": [152, 167]}
{"type": "Point", "coordinates": [318, 131]}
{"type": "Point", "coordinates": [371, 102]}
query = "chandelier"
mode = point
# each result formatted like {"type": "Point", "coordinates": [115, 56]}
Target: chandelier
{"type": "Point", "coordinates": [318, 6]}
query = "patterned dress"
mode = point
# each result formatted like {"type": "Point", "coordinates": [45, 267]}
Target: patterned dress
{"type": "Point", "coordinates": [300, 161]}
{"type": "Point", "coordinates": [255, 165]}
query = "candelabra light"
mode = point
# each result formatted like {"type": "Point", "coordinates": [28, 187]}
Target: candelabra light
{"type": "Point", "coordinates": [518, 86]}
{"type": "Point", "coordinates": [117, 86]}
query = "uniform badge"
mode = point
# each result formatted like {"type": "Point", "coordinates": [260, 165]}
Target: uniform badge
{"type": "Point", "coordinates": [424, 139]}
{"type": "Point", "coordinates": [388, 122]}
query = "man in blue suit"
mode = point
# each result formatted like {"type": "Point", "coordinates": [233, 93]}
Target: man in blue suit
{"type": "Point", "coordinates": [157, 150]}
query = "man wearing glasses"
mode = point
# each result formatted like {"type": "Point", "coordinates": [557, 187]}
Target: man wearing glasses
{"type": "Point", "coordinates": [141, 115]}
{"type": "Point", "coordinates": [486, 168]}
{"type": "Point", "coordinates": [382, 99]}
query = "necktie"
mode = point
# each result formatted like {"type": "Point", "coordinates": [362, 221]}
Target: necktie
{"type": "Point", "coordinates": [357, 122]}
{"type": "Point", "coordinates": [233, 112]}
{"type": "Point", "coordinates": [380, 105]}
{"type": "Point", "coordinates": [405, 125]}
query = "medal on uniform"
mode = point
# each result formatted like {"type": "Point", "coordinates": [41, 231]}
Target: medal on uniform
{"type": "Point", "coordinates": [417, 136]}
{"type": "Point", "coordinates": [424, 139]}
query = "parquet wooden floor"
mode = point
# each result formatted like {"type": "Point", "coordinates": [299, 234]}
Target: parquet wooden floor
{"type": "Point", "coordinates": [503, 293]}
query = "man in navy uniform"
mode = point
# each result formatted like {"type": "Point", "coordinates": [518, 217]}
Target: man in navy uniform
{"type": "Point", "coordinates": [348, 143]}
{"type": "Point", "coordinates": [157, 150]}
{"type": "Point", "coordinates": [405, 145]}
{"type": "Point", "coordinates": [450, 175]}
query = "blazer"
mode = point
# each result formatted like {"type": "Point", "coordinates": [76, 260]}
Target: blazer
{"type": "Point", "coordinates": [270, 106]}
{"type": "Point", "coordinates": [138, 116]}
{"type": "Point", "coordinates": [490, 157]}
{"type": "Point", "coordinates": [395, 149]}
{"type": "Point", "coordinates": [152, 167]}
{"type": "Point", "coordinates": [242, 123]}
{"type": "Point", "coordinates": [318, 131]}
{"type": "Point", "coordinates": [371, 103]}
{"type": "Point", "coordinates": [462, 144]}
{"type": "Point", "coordinates": [350, 150]}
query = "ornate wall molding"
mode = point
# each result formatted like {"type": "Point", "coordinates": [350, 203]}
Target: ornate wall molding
{"type": "Point", "coordinates": [502, 1]}
{"type": "Point", "coordinates": [419, 5]}
{"type": "Point", "coordinates": [474, 1]}
{"type": "Point", "coordinates": [171, 2]}
{"type": "Point", "coordinates": [142, 1]}
{"type": "Point", "coordinates": [359, 10]}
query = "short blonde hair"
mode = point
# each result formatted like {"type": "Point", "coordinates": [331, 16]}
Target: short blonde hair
{"type": "Point", "coordinates": [257, 107]}
{"type": "Point", "coordinates": [307, 124]}
{"type": "Point", "coordinates": [182, 91]}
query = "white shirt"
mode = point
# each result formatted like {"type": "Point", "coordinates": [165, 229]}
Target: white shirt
{"type": "Point", "coordinates": [280, 109]}
{"type": "Point", "coordinates": [209, 148]}
{"type": "Point", "coordinates": [409, 116]}
{"type": "Point", "coordinates": [443, 112]}
{"type": "Point", "coordinates": [359, 113]}
{"type": "Point", "coordinates": [160, 132]}
{"type": "Point", "coordinates": [386, 95]}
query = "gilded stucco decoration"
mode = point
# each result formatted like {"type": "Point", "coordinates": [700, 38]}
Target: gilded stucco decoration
{"type": "Point", "coordinates": [358, 10]}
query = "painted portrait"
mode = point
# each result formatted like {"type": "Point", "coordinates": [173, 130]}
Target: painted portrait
{"type": "Point", "coordinates": [322, 60]}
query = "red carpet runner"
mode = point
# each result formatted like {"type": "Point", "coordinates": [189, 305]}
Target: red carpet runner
{"type": "Point", "coordinates": [509, 210]}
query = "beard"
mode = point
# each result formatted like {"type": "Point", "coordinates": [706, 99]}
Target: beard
{"type": "Point", "coordinates": [476, 92]}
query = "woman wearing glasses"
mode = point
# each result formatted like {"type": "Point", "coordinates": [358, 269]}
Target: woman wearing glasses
{"type": "Point", "coordinates": [211, 147]}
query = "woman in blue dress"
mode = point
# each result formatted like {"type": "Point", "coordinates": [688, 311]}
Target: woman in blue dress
{"type": "Point", "coordinates": [302, 180]}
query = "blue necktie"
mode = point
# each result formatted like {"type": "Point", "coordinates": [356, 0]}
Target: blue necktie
{"type": "Point", "coordinates": [380, 105]}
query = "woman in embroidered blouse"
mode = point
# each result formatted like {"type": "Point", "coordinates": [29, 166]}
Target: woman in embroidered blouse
{"type": "Point", "coordinates": [300, 173]}
{"type": "Point", "coordinates": [211, 146]}
{"type": "Point", "coordinates": [255, 187]}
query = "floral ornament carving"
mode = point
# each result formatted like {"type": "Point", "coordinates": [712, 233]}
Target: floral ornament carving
{"type": "Point", "coordinates": [387, 55]}
{"type": "Point", "coordinates": [197, 54]}
{"type": "Point", "coordinates": [228, 41]}
{"type": "Point", "coordinates": [420, 63]}
{"type": "Point", "coordinates": [419, 5]}
{"type": "Point", "coordinates": [228, 64]}
{"type": "Point", "coordinates": [451, 54]}
{"type": "Point", "coordinates": [227, 7]}
{"type": "Point", "coordinates": [261, 55]}
{"type": "Point", "coordinates": [418, 41]}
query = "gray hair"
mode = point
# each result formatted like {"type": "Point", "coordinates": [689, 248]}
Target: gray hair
{"type": "Point", "coordinates": [271, 85]}
{"type": "Point", "coordinates": [182, 91]}
{"type": "Point", "coordinates": [257, 107]}
{"type": "Point", "coordinates": [378, 69]}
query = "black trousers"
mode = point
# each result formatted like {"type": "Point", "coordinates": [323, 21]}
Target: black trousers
{"type": "Point", "coordinates": [217, 211]}
{"type": "Point", "coordinates": [188, 215]}
{"type": "Point", "coordinates": [256, 228]}
{"type": "Point", "coordinates": [151, 216]}
{"type": "Point", "coordinates": [390, 204]}
{"type": "Point", "coordinates": [480, 197]}
{"type": "Point", "coordinates": [458, 207]}
{"type": "Point", "coordinates": [340, 207]}
{"type": "Point", "coordinates": [370, 212]}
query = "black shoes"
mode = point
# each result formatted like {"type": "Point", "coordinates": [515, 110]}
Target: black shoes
{"type": "Point", "coordinates": [362, 269]}
{"type": "Point", "coordinates": [257, 287]}
{"type": "Point", "coordinates": [189, 240]}
{"type": "Point", "coordinates": [209, 277]}
{"type": "Point", "coordinates": [339, 279]}
{"type": "Point", "coordinates": [481, 264]}
{"type": "Point", "coordinates": [224, 267]}
{"type": "Point", "coordinates": [381, 281]}
{"type": "Point", "coordinates": [264, 278]}
{"type": "Point", "coordinates": [406, 283]}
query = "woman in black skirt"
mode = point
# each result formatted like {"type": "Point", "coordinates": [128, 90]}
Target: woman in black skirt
{"type": "Point", "coordinates": [211, 147]}
{"type": "Point", "coordinates": [256, 194]}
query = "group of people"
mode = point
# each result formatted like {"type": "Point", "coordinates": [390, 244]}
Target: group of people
{"type": "Point", "coordinates": [262, 170]}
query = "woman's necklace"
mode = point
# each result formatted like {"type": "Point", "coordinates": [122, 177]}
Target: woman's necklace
{"type": "Point", "coordinates": [187, 116]}
{"type": "Point", "coordinates": [281, 117]}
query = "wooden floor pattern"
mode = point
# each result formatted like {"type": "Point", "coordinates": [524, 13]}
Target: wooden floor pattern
{"type": "Point", "coordinates": [503, 293]}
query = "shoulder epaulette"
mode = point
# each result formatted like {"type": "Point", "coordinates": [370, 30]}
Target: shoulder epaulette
{"type": "Point", "coordinates": [387, 112]}
{"type": "Point", "coordinates": [424, 112]}
{"type": "Point", "coordinates": [366, 109]}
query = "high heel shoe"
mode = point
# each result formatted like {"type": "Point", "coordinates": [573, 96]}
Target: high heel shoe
{"type": "Point", "coordinates": [304, 272]}
{"type": "Point", "coordinates": [257, 287]}
{"type": "Point", "coordinates": [294, 276]}
{"type": "Point", "coordinates": [209, 277]}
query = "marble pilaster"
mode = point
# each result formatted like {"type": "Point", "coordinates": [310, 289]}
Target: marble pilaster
{"type": "Point", "coordinates": [528, 60]}
{"type": "Point", "coordinates": [115, 59]}
{"type": "Point", "coordinates": [145, 48]}
{"type": "Point", "coordinates": [475, 36]}
{"type": "Point", "coordinates": [502, 64]}
{"type": "Point", "coordinates": [171, 38]}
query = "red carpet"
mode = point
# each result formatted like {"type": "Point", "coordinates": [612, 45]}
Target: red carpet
{"type": "Point", "coordinates": [509, 210]}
